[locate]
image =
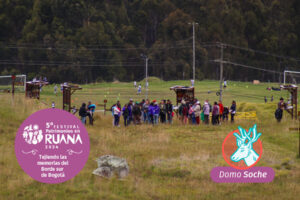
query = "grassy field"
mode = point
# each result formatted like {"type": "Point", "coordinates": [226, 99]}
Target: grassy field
{"type": "Point", "coordinates": [166, 162]}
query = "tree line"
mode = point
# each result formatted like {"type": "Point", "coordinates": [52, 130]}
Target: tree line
{"type": "Point", "coordinates": [87, 40]}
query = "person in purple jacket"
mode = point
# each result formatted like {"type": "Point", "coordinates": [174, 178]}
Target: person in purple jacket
{"type": "Point", "coordinates": [156, 111]}
{"type": "Point", "coordinates": [151, 112]}
{"type": "Point", "coordinates": [130, 107]}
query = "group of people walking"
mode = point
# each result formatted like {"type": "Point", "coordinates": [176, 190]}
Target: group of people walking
{"type": "Point", "coordinates": [193, 113]}
{"type": "Point", "coordinates": [152, 112]}
{"type": "Point", "coordinates": [87, 111]}
{"type": "Point", "coordinates": [144, 111]}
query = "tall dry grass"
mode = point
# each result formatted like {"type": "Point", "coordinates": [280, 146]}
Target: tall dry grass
{"type": "Point", "coordinates": [166, 161]}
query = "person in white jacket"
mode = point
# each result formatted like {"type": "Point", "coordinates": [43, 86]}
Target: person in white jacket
{"type": "Point", "coordinates": [117, 114]}
{"type": "Point", "coordinates": [197, 111]}
{"type": "Point", "coordinates": [206, 111]}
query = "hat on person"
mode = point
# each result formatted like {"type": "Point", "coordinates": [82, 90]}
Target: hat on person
{"type": "Point", "coordinates": [136, 102]}
{"type": "Point", "coordinates": [198, 102]}
{"type": "Point", "coordinates": [183, 102]}
{"type": "Point", "coordinates": [130, 99]}
{"type": "Point", "coordinates": [154, 101]}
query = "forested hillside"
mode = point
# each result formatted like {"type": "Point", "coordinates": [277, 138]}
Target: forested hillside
{"type": "Point", "coordinates": [102, 40]}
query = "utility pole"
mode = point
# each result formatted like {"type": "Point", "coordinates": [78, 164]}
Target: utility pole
{"type": "Point", "coordinates": [194, 54]}
{"type": "Point", "coordinates": [221, 70]}
{"type": "Point", "coordinates": [194, 51]}
{"type": "Point", "coordinates": [146, 73]}
{"type": "Point", "coordinates": [13, 77]}
{"type": "Point", "coordinates": [147, 77]}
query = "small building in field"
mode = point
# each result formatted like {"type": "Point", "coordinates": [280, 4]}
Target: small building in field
{"type": "Point", "coordinates": [184, 93]}
{"type": "Point", "coordinates": [68, 90]}
{"type": "Point", "coordinates": [33, 89]}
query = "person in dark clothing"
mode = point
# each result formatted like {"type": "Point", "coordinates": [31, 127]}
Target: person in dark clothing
{"type": "Point", "coordinates": [130, 108]}
{"type": "Point", "coordinates": [279, 111]}
{"type": "Point", "coordinates": [232, 111]}
{"type": "Point", "coordinates": [145, 108]}
{"type": "Point", "coordinates": [183, 112]}
{"type": "Point", "coordinates": [225, 113]}
{"type": "Point", "coordinates": [83, 113]}
{"type": "Point", "coordinates": [163, 111]}
{"type": "Point", "coordinates": [142, 109]}
{"type": "Point", "coordinates": [90, 112]}
{"type": "Point", "coordinates": [125, 113]}
{"type": "Point", "coordinates": [136, 112]}
{"type": "Point", "coordinates": [215, 114]}
{"type": "Point", "coordinates": [169, 108]}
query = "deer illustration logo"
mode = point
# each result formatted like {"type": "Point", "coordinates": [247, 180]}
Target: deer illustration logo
{"type": "Point", "coordinates": [245, 143]}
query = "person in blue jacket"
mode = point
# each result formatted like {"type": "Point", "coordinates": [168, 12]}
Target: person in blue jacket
{"type": "Point", "coordinates": [232, 111]}
{"type": "Point", "coordinates": [91, 109]}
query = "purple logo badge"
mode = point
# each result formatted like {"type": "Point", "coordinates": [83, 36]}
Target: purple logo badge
{"type": "Point", "coordinates": [242, 149]}
{"type": "Point", "coordinates": [252, 175]}
{"type": "Point", "coordinates": [52, 146]}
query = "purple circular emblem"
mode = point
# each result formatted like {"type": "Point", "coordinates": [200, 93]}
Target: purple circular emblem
{"type": "Point", "coordinates": [52, 146]}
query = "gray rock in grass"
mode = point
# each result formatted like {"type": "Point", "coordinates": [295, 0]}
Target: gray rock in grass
{"type": "Point", "coordinates": [109, 165]}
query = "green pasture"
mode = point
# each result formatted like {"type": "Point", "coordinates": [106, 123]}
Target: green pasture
{"type": "Point", "coordinates": [167, 162]}
{"type": "Point", "coordinates": [158, 89]}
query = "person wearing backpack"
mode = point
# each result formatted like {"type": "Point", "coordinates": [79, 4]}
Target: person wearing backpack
{"type": "Point", "coordinates": [90, 112]}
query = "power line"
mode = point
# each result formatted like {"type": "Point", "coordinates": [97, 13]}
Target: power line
{"type": "Point", "coordinates": [83, 64]}
{"type": "Point", "coordinates": [57, 64]}
{"type": "Point", "coordinates": [247, 66]}
{"type": "Point", "coordinates": [92, 49]}
{"type": "Point", "coordinates": [74, 44]}
{"type": "Point", "coordinates": [261, 52]}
